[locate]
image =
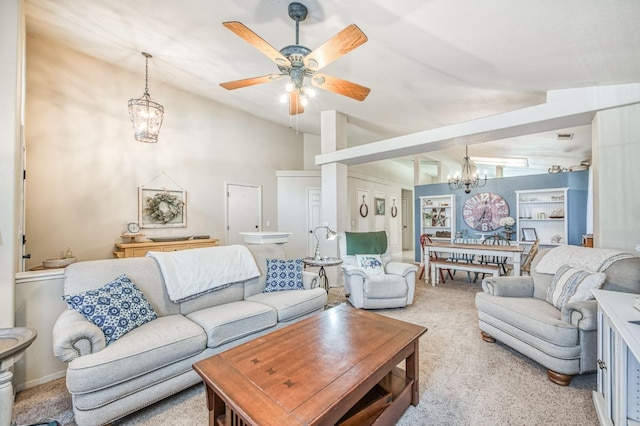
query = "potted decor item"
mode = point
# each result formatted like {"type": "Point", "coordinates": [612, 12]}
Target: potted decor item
{"type": "Point", "coordinates": [507, 222]}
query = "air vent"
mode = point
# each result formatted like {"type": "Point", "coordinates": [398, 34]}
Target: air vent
{"type": "Point", "coordinates": [565, 136]}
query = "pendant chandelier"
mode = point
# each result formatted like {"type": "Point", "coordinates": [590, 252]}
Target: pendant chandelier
{"type": "Point", "coordinates": [467, 179]}
{"type": "Point", "coordinates": [146, 115]}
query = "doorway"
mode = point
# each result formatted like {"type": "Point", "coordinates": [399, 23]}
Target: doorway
{"type": "Point", "coordinates": [244, 212]}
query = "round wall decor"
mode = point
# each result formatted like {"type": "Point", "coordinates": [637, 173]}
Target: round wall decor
{"type": "Point", "coordinates": [483, 211]}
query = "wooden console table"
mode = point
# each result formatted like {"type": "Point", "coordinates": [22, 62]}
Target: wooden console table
{"type": "Point", "coordinates": [140, 249]}
{"type": "Point", "coordinates": [336, 367]}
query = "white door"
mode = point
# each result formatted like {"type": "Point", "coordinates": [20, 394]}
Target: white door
{"type": "Point", "coordinates": [314, 217]}
{"type": "Point", "coordinates": [243, 211]}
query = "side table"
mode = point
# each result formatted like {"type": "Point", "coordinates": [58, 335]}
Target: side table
{"type": "Point", "coordinates": [325, 261]}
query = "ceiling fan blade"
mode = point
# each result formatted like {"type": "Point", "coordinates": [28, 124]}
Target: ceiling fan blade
{"type": "Point", "coordinates": [295, 107]}
{"type": "Point", "coordinates": [238, 84]}
{"type": "Point", "coordinates": [258, 42]}
{"type": "Point", "coordinates": [340, 44]}
{"type": "Point", "coordinates": [340, 86]}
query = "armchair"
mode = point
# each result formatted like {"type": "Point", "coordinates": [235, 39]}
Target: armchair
{"type": "Point", "coordinates": [515, 311]}
{"type": "Point", "coordinates": [374, 286]}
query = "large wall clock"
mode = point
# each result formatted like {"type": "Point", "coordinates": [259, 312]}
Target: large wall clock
{"type": "Point", "coordinates": [483, 211]}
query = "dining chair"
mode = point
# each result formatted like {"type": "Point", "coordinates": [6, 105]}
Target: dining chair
{"type": "Point", "coordinates": [526, 264]}
{"type": "Point", "coordinates": [463, 257]}
{"type": "Point", "coordinates": [424, 240]}
{"type": "Point", "coordinates": [494, 260]}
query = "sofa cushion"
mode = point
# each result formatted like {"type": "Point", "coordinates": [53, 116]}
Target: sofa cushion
{"type": "Point", "coordinates": [283, 275]}
{"type": "Point", "coordinates": [293, 304]}
{"type": "Point", "coordinates": [117, 307]}
{"type": "Point", "coordinates": [533, 316]}
{"type": "Point", "coordinates": [571, 284]}
{"type": "Point", "coordinates": [385, 287]}
{"type": "Point", "coordinates": [149, 347]}
{"type": "Point", "coordinates": [231, 321]}
{"type": "Point", "coordinates": [371, 264]}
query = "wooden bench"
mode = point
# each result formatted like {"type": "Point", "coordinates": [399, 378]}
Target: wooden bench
{"type": "Point", "coordinates": [436, 265]}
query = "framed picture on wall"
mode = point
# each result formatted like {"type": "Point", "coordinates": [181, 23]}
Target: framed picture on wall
{"type": "Point", "coordinates": [529, 234]}
{"type": "Point", "coordinates": [379, 206]}
{"type": "Point", "coordinates": [162, 208]}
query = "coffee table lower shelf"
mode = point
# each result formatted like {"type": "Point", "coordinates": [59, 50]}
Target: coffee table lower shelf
{"type": "Point", "coordinates": [385, 404]}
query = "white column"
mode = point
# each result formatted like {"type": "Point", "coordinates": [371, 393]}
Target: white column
{"type": "Point", "coordinates": [11, 68]}
{"type": "Point", "coordinates": [615, 152]}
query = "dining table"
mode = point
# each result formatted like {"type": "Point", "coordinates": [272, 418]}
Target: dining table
{"type": "Point", "coordinates": [512, 251]}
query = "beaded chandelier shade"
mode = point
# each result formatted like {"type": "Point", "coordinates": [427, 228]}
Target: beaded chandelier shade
{"type": "Point", "coordinates": [146, 114]}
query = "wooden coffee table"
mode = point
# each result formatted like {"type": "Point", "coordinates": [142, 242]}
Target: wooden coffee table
{"type": "Point", "coordinates": [337, 367]}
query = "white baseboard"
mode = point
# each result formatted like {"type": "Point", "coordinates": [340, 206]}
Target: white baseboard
{"type": "Point", "coordinates": [41, 380]}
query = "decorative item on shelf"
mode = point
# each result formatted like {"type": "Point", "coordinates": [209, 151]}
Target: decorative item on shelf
{"type": "Point", "coordinates": [146, 114]}
{"type": "Point", "coordinates": [507, 222]}
{"type": "Point", "coordinates": [557, 214]}
{"type": "Point", "coordinates": [467, 179]}
{"type": "Point", "coordinates": [556, 169]}
{"type": "Point", "coordinates": [556, 239]}
{"type": "Point", "coordinates": [364, 209]}
{"type": "Point", "coordinates": [440, 217]}
{"type": "Point", "coordinates": [428, 203]}
{"type": "Point", "coordinates": [330, 235]}
{"type": "Point", "coordinates": [443, 234]}
{"type": "Point", "coordinates": [426, 218]}
{"type": "Point", "coordinates": [529, 234]}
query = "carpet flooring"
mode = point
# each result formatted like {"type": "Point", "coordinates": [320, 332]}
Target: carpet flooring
{"type": "Point", "coordinates": [463, 380]}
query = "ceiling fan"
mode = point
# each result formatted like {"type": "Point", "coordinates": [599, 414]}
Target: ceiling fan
{"type": "Point", "coordinates": [299, 62]}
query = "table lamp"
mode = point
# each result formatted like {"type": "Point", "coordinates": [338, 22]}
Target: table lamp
{"type": "Point", "coordinates": [330, 236]}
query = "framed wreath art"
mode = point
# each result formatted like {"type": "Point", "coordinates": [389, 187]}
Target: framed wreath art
{"type": "Point", "coordinates": [162, 208]}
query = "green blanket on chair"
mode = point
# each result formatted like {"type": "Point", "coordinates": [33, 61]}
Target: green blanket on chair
{"type": "Point", "coordinates": [366, 242]}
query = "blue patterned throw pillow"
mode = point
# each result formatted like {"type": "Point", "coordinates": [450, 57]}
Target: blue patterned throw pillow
{"type": "Point", "coordinates": [117, 307]}
{"type": "Point", "coordinates": [284, 275]}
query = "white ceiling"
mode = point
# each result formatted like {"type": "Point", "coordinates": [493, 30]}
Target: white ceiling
{"type": "Point", "coordinates": [428, 63]}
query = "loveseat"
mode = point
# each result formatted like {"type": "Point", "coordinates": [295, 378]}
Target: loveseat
{"type": "Point", "coordinates": [554, 328]}
{"type": "Point", "coordinates": [110, 380]}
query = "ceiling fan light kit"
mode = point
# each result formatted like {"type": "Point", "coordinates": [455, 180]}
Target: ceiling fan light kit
{"type": "Point", "coordinates": [299, 62]}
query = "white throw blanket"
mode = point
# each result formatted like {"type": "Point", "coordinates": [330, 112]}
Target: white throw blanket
{"type": "Point", "coordinates": [190, 273]}
{"type": "Point", "coordinates": [587, 259]}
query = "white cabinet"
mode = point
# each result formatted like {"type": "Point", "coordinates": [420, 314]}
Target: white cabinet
{"type": "Point", "coordinates": [545, 212]}
{"type": "Point", "coordinates": [617, 399]}
{"type": "Point", "coordinates": [438, 217]}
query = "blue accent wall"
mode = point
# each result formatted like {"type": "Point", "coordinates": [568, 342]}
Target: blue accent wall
{"type": "Point", "coordinates": [577, 182]}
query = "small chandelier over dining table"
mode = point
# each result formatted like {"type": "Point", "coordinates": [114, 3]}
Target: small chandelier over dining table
{"type": "Point", "coordinates": [467, 179]}
{"type": "Point", "coordinates": [146, 114]}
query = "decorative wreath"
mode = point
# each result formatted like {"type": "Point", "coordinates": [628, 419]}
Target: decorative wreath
{"type": "Point", "coordinates": [364, 209]}
{"type": "Point", "coordinates": [163, 207]}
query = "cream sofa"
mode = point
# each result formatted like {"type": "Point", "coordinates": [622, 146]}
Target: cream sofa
{"type": "Point", "coordinates": [155, 360]}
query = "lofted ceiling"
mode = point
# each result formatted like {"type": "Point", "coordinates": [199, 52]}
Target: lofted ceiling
{"type": "Point", "coordinates": [428, 63]}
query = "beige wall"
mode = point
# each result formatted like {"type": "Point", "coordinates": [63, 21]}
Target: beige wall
{"type": "Point", "coordinates": [84, 166]}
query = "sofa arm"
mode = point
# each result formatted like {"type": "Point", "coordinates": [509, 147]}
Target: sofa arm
{"type": "Point", "coordinates": [350, 270]}
{"type": "Point", "coordinates": [582, 314]}
{"type": "Point", "coordinates": [508, 286]}
{"type": "Point", "coordinates": [399, 268]}
{"type": "Point", "coordinates": [75, 336]}
{"type": "Point", "coordinates": [310, 280]}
